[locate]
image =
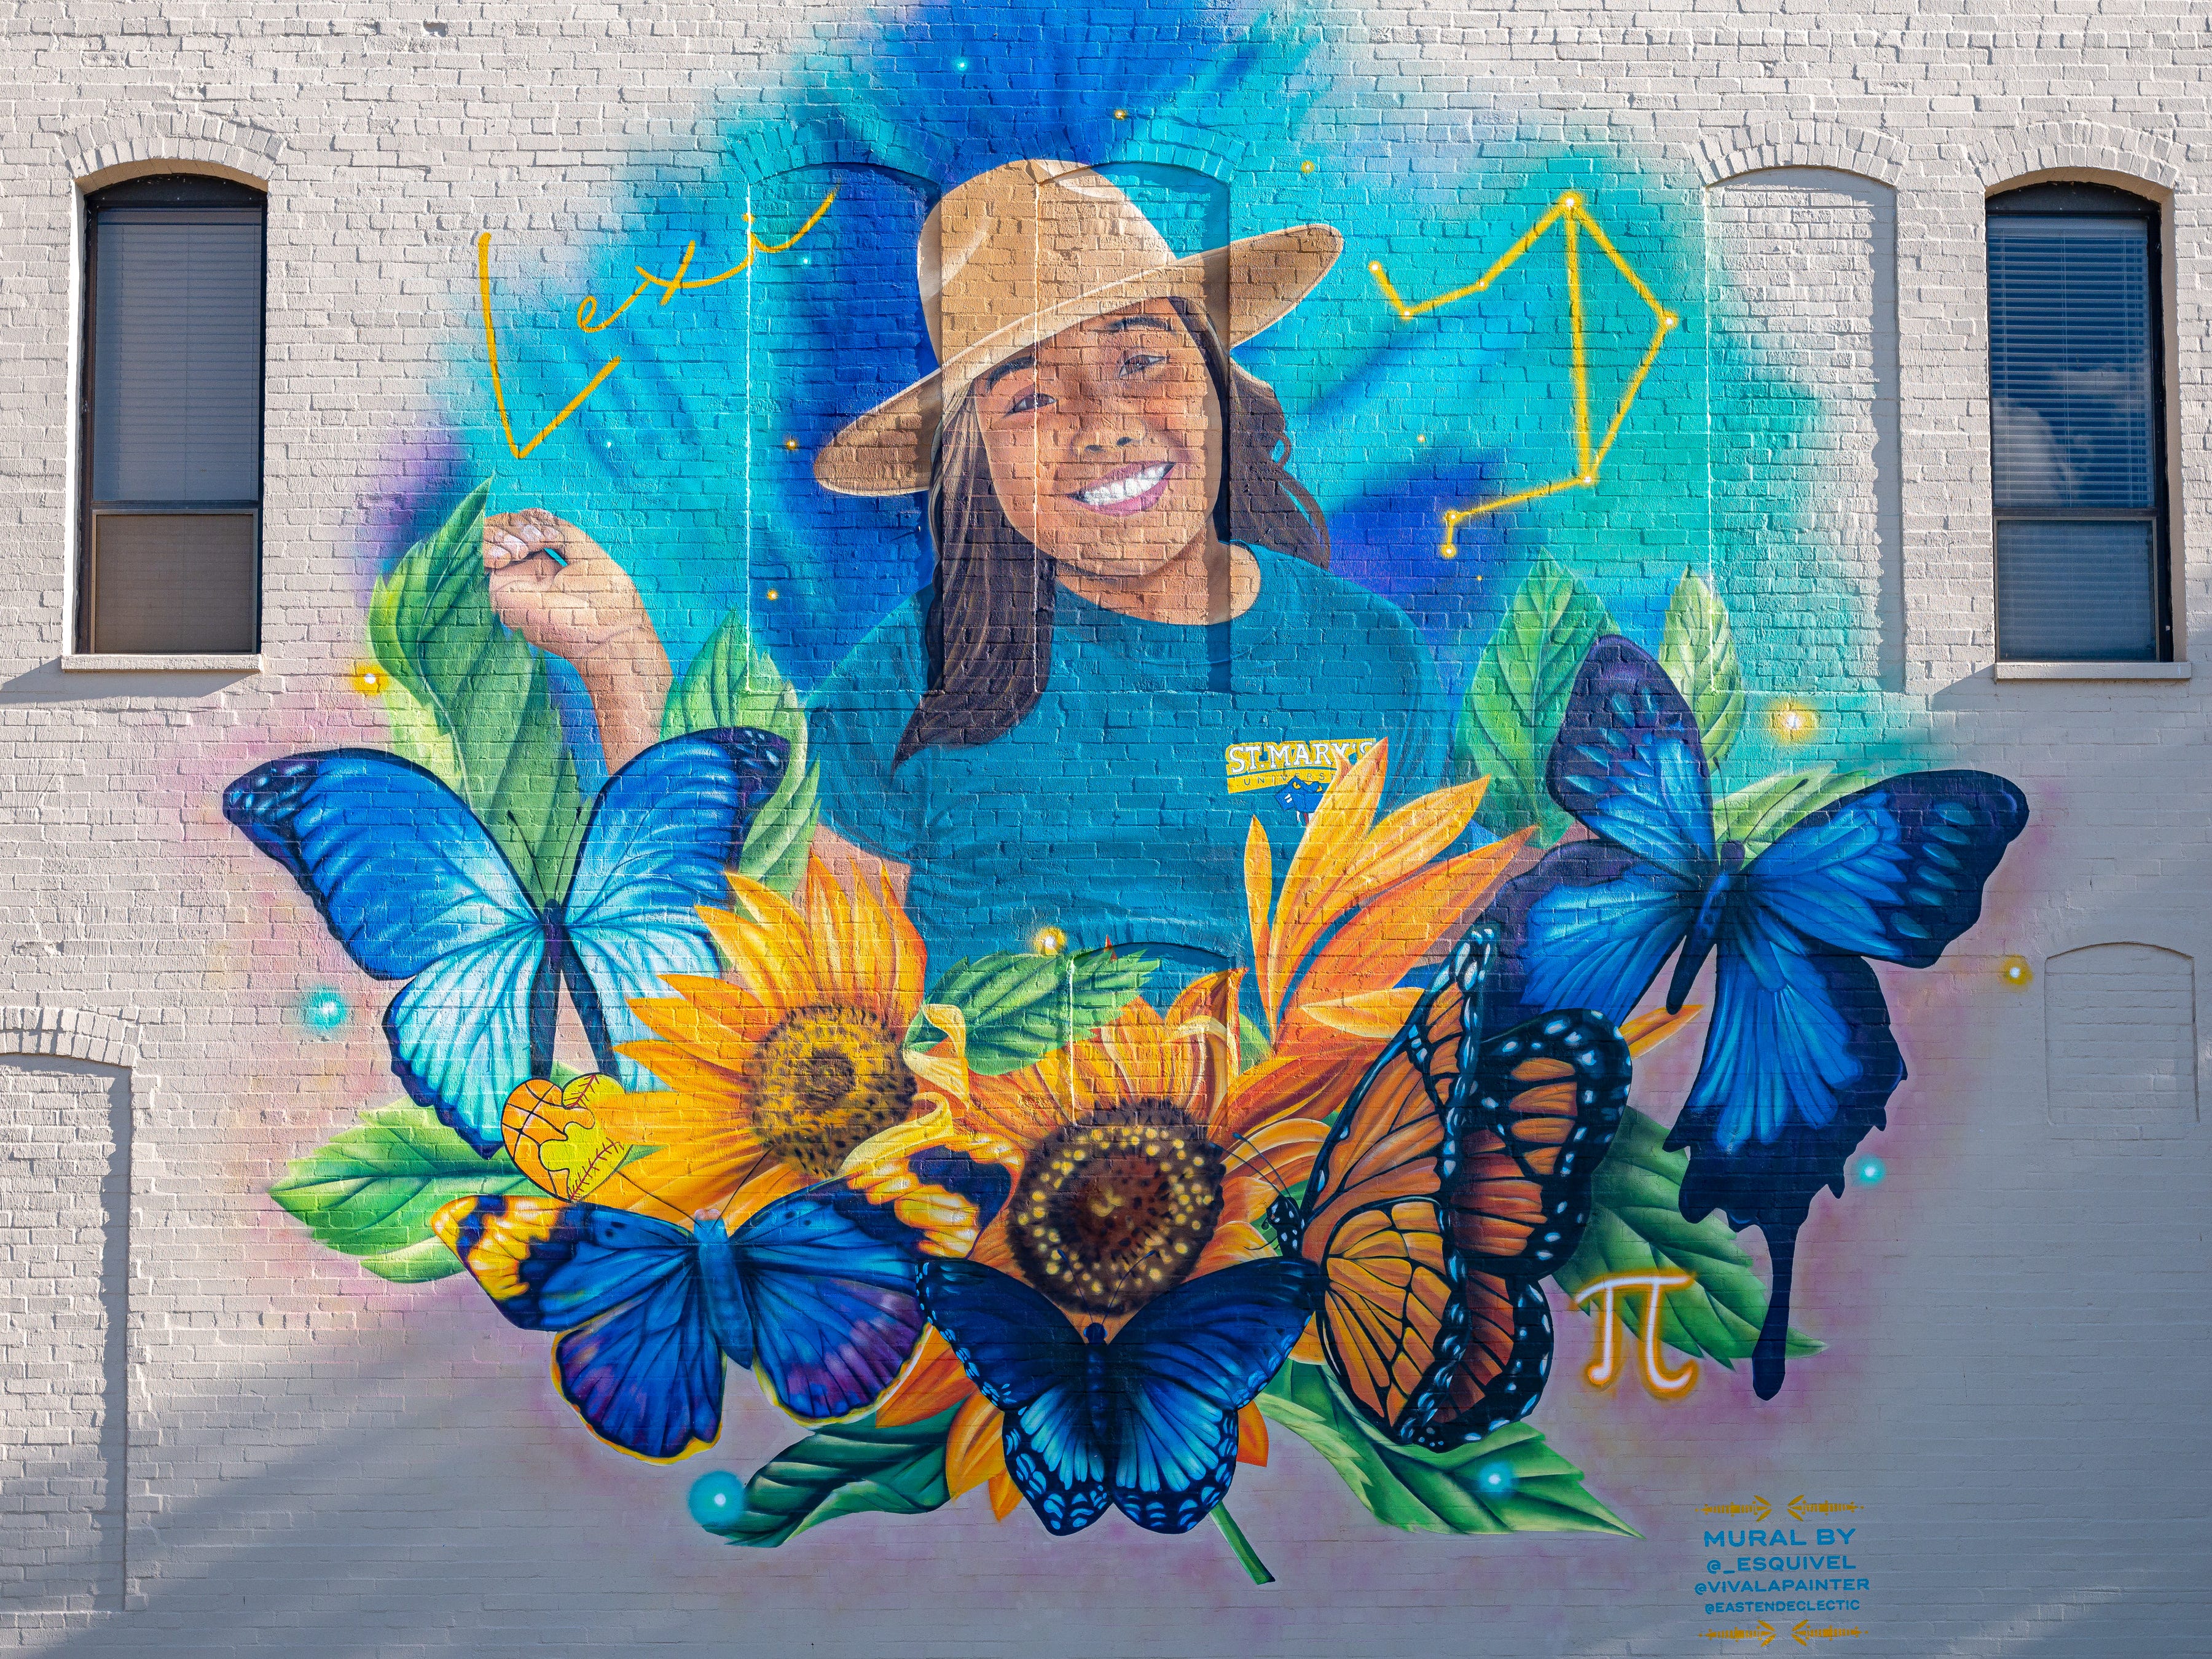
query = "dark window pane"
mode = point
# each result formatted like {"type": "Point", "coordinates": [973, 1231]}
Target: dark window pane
{"type": "Point", "coordinates": [176, 356]}
{"type": "Point", "coordinates": [166, 583]}
{"type": "Point", "coordinates": [2070, 372]}
{"type": "Point", "coordinates": [2078, 592]}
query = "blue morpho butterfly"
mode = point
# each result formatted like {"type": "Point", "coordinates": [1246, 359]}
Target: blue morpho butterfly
{"type": "Point", "coordinates": [1799, 1061]}
{"type": "Point", "coordinates": [816, 1291]}
{"type": "Point", "coordinates": [416, 889]}
{"type": "Point", "coordinates": [1147, 1421]}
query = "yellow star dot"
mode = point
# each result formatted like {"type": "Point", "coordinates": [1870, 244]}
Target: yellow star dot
{"type": "Point", "coordinates": [1305, 167]}
{"type": "Point", "coordinates": [790, 443]}
{"type": "Point", "coordinates": [1791, 721]}
{"type": "Point", "coordinates": [369, 680]}
{"type": "Point", "coordinates": [1121, 115]}
{"type": "Point", "coordinates": [2016, 972]}
{"type": "Point", "coordinates": [1048, 942]}
{"type": "Point", "coordinates": [775, 593]}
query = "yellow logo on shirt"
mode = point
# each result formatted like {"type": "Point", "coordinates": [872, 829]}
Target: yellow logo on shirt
{"type": "Point", "coordinates": [1273, 765]}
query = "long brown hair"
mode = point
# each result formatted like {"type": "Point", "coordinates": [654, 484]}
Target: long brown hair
{"type": "Point", "coordinates": [989, 631]}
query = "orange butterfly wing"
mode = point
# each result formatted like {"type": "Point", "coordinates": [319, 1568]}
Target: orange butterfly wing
{"type": "Point", "coordinates": [1545, 1105]}
{"type": "Point", "coordinates": [1372, 1219]}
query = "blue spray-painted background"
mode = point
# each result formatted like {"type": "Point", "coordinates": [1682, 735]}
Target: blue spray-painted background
{"type": "Point", "coordinates": [691, 463]}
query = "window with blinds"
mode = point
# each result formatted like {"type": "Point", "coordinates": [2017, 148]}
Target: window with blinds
{"type": "Point", "coordinates": [171, 413]}
{"type": "Point", "coordinates": [2077, 428]}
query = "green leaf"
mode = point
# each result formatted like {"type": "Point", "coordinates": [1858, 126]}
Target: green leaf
{"type": "Point", "coordinates": [1760, 813]}
{"type": "Point", "coordinates": [370, 1190]}
{"type": "Point", "coordinates": [417, 735]}
{"type": "Point", "coordinates": [1421, 1491]}
{"type": "Point", "coordinates": [1019, 1007]}
{"type": "Point", "coordinates": [849, 1468]}
{"type": "Point", "coordinates": [1698, 652]}
{"type": "Point", "coordinates": [481, 716]}
{"type": "Point", "coordinates": [1636, 1227]}
{"type": "Point", "coordinates": [1512, 710]}
{"type": "Point", "coordinates": [775, 852]}
{"type": "Point", "coordinates": [732, 682]}
{"type": "Point", "coordinates": [418, 1264]}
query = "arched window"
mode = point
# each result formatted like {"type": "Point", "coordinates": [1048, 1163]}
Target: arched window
{"type": "Point", "coordinates": [172, 413]}
{"type": "Point", "coordinates": [2077, 426]}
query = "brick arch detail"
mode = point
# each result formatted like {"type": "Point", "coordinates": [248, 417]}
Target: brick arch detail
{"type": "Point", "coordinates": [132, 146]}
{"type": "Point", "coordinates": [70, 1034]}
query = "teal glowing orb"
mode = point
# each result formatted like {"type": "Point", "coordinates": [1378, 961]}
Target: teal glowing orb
{"type": "Point", "coordinates": [1495, 1479]}
{"type": "Point", "coordinates": [324, 1011]}
{"type": "Point", "coordinates": [1869, 1171]}
{"type": "Point", "coordinates": [717, 1500]}
{"type": "Point", "coordinates": [960, 66]}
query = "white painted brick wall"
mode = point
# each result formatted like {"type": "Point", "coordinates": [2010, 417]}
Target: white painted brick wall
{"type": "Point", "coordinates": [319, 1464]}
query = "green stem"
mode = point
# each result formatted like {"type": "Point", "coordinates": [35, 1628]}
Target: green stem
{"type": "Point", "coordinates": [1241, 1545]}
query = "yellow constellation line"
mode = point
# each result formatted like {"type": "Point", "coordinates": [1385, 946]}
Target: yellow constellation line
{"type": "Point", "coordinates": [1574, 219]}
{"type": "Point", "coordinates": [670, 287]}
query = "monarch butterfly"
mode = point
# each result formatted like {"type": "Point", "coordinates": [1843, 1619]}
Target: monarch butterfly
{"type": "Point", "coordinates": [1456, 1177]}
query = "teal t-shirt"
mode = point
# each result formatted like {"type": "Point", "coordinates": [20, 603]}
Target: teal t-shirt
{"type": "Point", "coordinates": [1116, 810]}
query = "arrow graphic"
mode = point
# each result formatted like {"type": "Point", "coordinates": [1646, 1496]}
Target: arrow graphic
{"type": "Point", "coordinates": [1764, 1634]}
{"type": "Point", "coordinates": [1800, 1507]}
{"type": "Point", "coordinates": [1758, 1509]}
{"type": "Point", "coordinates": [1807, 1635]}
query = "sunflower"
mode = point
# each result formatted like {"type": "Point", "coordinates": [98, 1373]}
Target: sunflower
{"type": "Point", "coordinates": [778, 1071]}
{"type": "Point", "coordinates": [1135, 1167]}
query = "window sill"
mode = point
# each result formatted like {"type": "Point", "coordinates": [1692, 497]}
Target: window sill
{"type": "Point", "coordinates": [242, 662]}
{"type": "Point", "coordinates": [2092, 670]}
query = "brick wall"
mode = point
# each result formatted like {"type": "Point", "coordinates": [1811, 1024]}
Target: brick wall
{"type": "Point", "coordinates": [216, 1436]}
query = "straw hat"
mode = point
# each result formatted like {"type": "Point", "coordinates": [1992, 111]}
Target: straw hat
{"type": "Point", "coordinates": [1018, 253]}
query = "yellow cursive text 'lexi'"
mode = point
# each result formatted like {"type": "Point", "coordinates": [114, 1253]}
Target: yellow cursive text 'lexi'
{"type": "Point", "coordinates": [669, 286]}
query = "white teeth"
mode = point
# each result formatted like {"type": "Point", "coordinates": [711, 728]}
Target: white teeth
{"type": "Point", "coordinates": [1108, 494]}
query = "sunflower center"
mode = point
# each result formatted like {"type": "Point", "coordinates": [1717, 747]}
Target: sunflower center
{"type": "Point", "coordinates": [1112, 1210]}
{"type": "Point", "coordinates": [823, 1081]}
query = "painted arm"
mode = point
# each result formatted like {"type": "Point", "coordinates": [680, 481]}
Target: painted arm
{"type": "Point", "coordinates": [557, 587]}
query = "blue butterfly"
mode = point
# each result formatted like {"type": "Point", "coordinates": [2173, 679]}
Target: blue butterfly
{"type": "Point", "coordinates": [816, 1292]}
{"type": "Point", "coordinates": [1799, 1061]}
{"type": "Point", "coordinates": [416, 890]}
{"type": "Point", "coordinates": [1147, 1421]}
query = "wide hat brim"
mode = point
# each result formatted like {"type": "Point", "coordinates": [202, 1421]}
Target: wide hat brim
{"type": "Point", "coordinates": [887, 451]}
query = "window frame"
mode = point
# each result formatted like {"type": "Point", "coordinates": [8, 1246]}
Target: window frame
{"type": "Point", "coordinates": [2095, 199]}
{"type": "Point", "coordinates": [210, 190]}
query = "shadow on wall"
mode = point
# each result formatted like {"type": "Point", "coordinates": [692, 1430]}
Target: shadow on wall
{"type": "Point", "coordinates": [64, 1239]}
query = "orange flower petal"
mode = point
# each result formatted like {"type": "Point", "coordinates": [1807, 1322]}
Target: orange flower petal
{"type": "Point", "coordinates": [1308, 1349]}
{"type": "Point", "coordinates": [1252, 1436]}
{"type": "Point", "coordinates": [1280, 1153]}
{"type": "Point", "coordinates": [975, 1446]}
{"type": "Point", "coordinates": [1373, 1014]}
{"type": "Point", "coordinates": [1413, 834]}
{"type": "Point", "coordinates": [773, 960]}
{"type": "Point", "coordinates": [1005, 1496]}
{"type": "Point", "coordinates": [934, 1382]}
{"type": "Point", "coordinates": [1232, 1242]}
{"type": "Point", "coordinates": [1339, 825]}
{"type": "Point", "coordinates": [1646, 1031]}
{"type": "Point", "coordinates": [1258, 894]}
{"type": "Point", "coordinates": [1395, 928]}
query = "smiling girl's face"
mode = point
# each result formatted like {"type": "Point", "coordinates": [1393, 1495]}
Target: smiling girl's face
{"type": "Point", "coordinates": [1104, 442]}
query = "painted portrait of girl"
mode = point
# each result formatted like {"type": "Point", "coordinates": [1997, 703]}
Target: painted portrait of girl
{"type": "Point", "coordinates": [1132, 643]}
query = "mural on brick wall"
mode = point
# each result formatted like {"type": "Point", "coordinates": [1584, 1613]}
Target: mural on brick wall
{"type": "Point", "coordinates": [1050, 739]}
